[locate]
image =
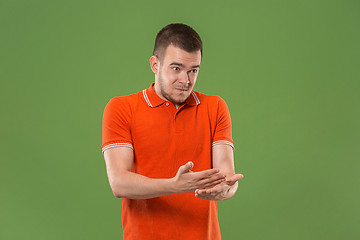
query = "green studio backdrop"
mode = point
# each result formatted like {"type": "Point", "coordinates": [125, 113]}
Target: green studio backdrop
{"type": "Point", "coordinates": [289, 71]}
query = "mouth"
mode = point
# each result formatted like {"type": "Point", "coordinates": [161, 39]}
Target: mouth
{"type": "Point", "coordinates": [182, 89]}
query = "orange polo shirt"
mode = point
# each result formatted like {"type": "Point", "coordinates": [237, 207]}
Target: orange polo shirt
{"type": "Point", "coordinates": [164, 138]}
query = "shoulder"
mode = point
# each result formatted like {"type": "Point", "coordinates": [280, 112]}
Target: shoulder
{"type": "Point", "coordinates": [123, 102]}
{"type": "Point", "coordinates": [212, 101]}
{"type": "Point", "coordinates": [125, 99]}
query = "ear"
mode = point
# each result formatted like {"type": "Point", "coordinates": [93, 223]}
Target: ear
{"type": "Point", "coordinates": [154, 64]}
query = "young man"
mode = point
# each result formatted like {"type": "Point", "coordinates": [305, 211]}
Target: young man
{"type": "Point", "coordinates": [168, 149]}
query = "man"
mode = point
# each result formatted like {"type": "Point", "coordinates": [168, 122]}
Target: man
{"type": "Point", "coordinates": [168, 149]}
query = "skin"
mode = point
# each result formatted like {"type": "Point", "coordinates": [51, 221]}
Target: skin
{"type": "Point", "coordinates": [175, 77]}
{"type": "Point", "coordinates": [175, 74]}
{"type": "Point", "coordinates": [223, 159]}
{"type": "Point", "coordinates": [126, 184]}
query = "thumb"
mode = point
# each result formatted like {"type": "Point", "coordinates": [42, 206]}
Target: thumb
{"type": "Point", "coordinates": [186, 168]}
{"type": "Point", "coordinates": [236, 177]}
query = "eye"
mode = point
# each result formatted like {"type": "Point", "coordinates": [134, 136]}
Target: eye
{"type": "Point", "coordinates": [194, 70]}
{"type": "Point", "coordinates": [175, 68]}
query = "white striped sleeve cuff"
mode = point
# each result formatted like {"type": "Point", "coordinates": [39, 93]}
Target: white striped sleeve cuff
{"type": "Point", "coordinates": [117, 145]}
{"type": "Point", "coordinates": [224, 142]}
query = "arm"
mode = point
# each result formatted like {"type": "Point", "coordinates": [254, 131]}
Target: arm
{"type": "Point", "coordinates": [127, 184]}
{"type": "Point", "coordinates": [223, 159]}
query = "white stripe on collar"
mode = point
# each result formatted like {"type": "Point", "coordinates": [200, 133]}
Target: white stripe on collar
{"type": "Point", "coordinates": [149, 103]}
{"type": "Point", "coordinates": [196, 98]}
{"type": "Point", "coordinates": [146, 98]}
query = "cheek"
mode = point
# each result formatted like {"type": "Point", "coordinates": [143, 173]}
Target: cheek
{"type": "Point", "coordinates": [193, 78]}
{"type": "Point", "coordinates": [169, 75]}
{"type": "Point", "coordinates": [172, 78]}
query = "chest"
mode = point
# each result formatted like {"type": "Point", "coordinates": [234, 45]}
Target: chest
{"type": "Point", "coordinates": [167, 138]}
{"type": "Point", "coordinates": [160, 126]}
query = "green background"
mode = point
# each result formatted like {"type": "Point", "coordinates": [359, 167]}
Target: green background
{"type": "Point", "coordinates": [289, 71]}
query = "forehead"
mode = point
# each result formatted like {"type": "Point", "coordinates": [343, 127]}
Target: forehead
{"type": "Point", "coordinates": [175, 54]}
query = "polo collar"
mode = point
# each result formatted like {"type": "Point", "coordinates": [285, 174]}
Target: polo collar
{"type": "Point", "coordinates": [153, 100]}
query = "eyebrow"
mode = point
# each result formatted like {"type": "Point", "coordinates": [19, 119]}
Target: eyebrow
{"type": "Point", "coordinates": [182, 65]}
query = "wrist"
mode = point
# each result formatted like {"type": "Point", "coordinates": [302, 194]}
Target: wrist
{"type": "Point", "coordinates": [231, 191]}
{"type": "Point", "coordinates": [170, 185]}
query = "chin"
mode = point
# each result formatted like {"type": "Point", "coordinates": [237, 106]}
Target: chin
{"type": "Point", "coordinates": [182, 100]}
{"type": "Point", "coordinates": [179, 99]}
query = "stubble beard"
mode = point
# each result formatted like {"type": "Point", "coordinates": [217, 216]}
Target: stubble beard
{"type": "Point", "coordinates": [165, 94]}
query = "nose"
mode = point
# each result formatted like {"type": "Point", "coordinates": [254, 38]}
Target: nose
{"type": "Point", "coordinates": [184, 78]}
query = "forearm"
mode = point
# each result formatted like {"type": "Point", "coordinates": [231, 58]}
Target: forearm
{"type": "Point", "coordinates": [135, 186]}
{"type": "Point", "coordinates": [127, 184]}
{"type": "Point", "coordinates": [222, 159]}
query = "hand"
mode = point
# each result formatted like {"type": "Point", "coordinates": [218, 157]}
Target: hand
{"type": "Point", "coordinates": [188, 181]}
{"type": "Point", "coordinates": [222, 191]}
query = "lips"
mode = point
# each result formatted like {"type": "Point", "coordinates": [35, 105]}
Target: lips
{"type": "Point", "coordinates": [181, 89]}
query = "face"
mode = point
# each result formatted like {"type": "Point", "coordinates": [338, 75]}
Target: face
{"type": "Point", "coordinates": [177, 74]}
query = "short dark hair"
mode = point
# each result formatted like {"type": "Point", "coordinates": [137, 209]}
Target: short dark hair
{"type": "Point", "coordinates": [180, 35]}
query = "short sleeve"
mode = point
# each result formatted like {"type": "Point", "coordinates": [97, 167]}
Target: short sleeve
{"type": "Point", "coordinates": [116, 131]}
{"type": "Point", "coordinates": [223, 134]}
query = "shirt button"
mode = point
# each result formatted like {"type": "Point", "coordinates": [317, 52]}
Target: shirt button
{"type": "Point", "coordinates": [167, 104]}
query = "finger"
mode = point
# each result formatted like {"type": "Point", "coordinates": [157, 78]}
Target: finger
{"type": "Point", "coordinates": [234, 178]}
{"type": "Point", "coordinates": [186, 168]}
{"type": "Point", "coordinates": [212, 178]}
{"type": "Point", "coordinates": [205, 197]}
{"type": "Point", "coordinates": [201, 196]}
{"type": "Point", "coordinates": [207, 190]}
{"type": "Point", "coordinates": [210, 194]}
{"type": "Point", "coordinates": [200, 191]}
{"type": "Point", "coordinates": [213, 184]}
{"type": "Point", "coordinates": [206, 173]}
